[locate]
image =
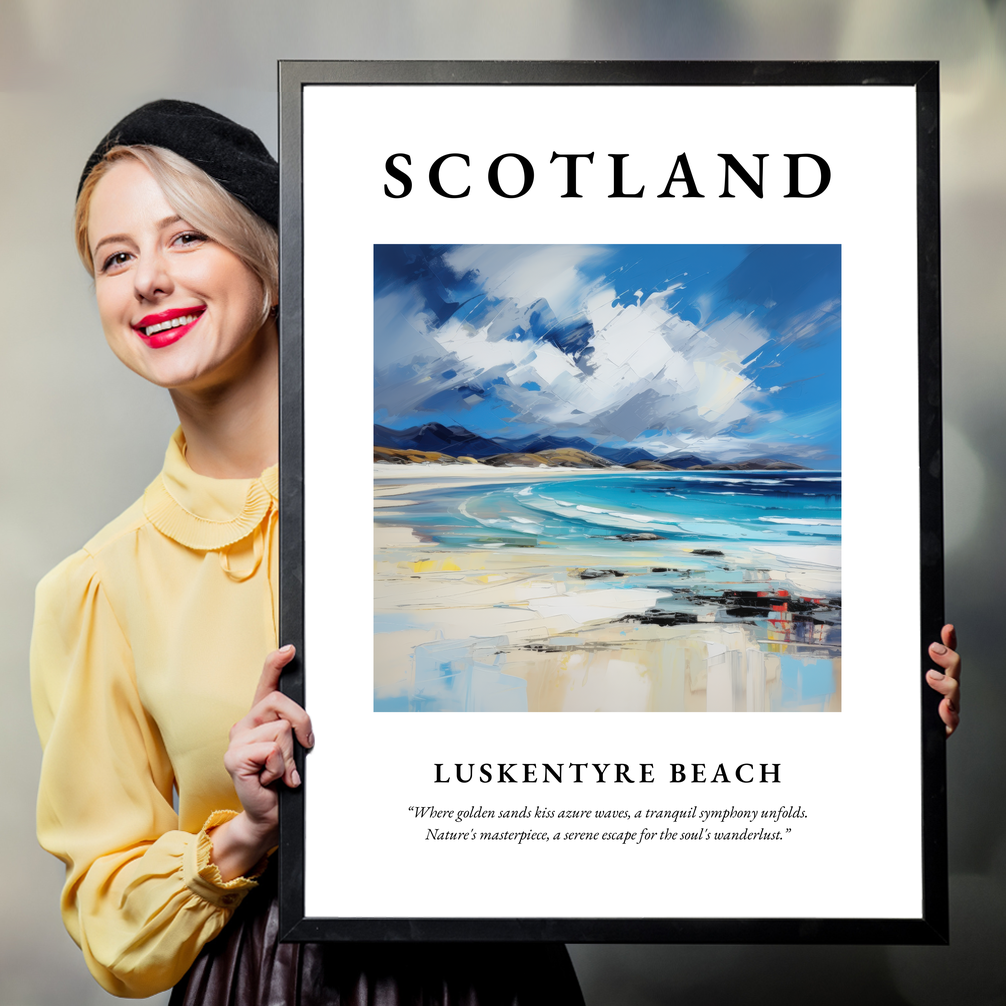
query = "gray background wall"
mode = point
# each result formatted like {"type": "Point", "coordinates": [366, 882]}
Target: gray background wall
{"type": "Point", "coordinates": [82, 436]}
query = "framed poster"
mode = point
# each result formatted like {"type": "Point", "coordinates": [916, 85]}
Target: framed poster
{"type": "Point", "coordinates": [633, 369]}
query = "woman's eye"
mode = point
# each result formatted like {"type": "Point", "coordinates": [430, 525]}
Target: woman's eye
{"type": "Point", "coordinates": [114, 261]}
{"type": "Point", "coordinates": [190, 238]}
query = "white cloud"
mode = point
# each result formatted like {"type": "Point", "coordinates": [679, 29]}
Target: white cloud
{"type": "Point", "coordinates": [646, 367]}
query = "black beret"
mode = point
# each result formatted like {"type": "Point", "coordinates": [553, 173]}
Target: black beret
{"type": "Point", "coordinates": [230, 154]}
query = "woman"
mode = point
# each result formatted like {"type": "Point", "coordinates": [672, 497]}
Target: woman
{"type": "Point", "coordinates": [148, 643]}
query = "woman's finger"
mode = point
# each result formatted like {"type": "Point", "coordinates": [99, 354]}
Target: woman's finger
{"type": "Point", "coordinates": [949, 636]}
{"type": "Point", "coordinates": [948, 659]}
{"type": "Point", "coordinates": [271, 671]}
{"type": "Point", "coordinates": [261, 760]}
{"type": "Point", "coordinates": [947, 681]}
{"type": "Point", "coordinates": [945, 685]}
{"type": "Point", "coordinates": [277, 706]}
{"type": "Point", "coordinates": [278, 732]}
{"type": "Point", "coordinates": [273, 766]}
{"type": "Point", "coordinates": [950, 716]}
{"type": "Point", "coordinates": [949, 688]}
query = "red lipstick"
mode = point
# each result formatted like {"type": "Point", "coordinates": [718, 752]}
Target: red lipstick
{"type": "Point", "coordinates": [166, 327]}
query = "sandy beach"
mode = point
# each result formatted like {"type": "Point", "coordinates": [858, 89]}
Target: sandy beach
{"type": "Point", "coordinates": [553, 626]}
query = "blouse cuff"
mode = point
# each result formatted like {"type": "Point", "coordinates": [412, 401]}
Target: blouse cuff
{"type": "Point", "coordinates": [202, 876]}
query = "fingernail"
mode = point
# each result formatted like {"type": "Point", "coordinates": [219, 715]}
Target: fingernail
{"type": "Point", "coordinates": [938, 648]}
{"type": "Point", "coordinates": [310, 740]}
{"type": "Point", "coordinates": [936, 676]}
{"type": "Point", "coordinates": [287, 649]}
{"type": "Point", "coordinates": [295, 777]}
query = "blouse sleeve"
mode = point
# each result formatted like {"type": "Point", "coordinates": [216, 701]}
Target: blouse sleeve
{"type": "Point", "coordinates": [141, 898]}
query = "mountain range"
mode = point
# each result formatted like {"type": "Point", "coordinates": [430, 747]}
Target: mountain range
{"type": "Point", "coordinates": [418, 443]}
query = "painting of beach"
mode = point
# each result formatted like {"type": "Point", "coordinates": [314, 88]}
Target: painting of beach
{"type": "Point", "coordinates": [607, 478]}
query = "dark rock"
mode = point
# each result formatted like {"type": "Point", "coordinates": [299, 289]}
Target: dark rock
{"type": "Point", "coordinates": [657, 616]}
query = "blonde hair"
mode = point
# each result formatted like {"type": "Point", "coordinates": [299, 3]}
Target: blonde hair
{"type": "Point", "coordinates": [199, 200]}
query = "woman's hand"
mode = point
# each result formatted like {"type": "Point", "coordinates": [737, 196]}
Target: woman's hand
{"type": "Point", "coordinates": [948, 681]}
{"type": "Point", "coordinates": [260, 753]}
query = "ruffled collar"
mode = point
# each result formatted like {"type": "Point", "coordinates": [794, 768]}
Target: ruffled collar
{"type": "Point", "coordinates": [203, 513]}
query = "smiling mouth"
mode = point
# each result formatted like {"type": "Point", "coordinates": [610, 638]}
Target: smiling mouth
{"type": "Point", "coordinates": [167, 321]}
{"type": "Point", "coordinates": [185, 319]}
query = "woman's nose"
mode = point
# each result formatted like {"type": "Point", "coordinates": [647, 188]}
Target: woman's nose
{"type": "Point", "coordinates": [152, 277]}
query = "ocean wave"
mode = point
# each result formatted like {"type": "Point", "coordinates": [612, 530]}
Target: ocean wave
{"type": "Point", "coordinates": [509, 522]}
{"type": "Point", "coordinates": [544, 496]}
{"type": "Point", "coordinates": [802, 520]}
{"type": "Point", "coordinates": [617, 519]}
{"type": "Point", "coordinates": [715, 477]}
{"type": "Point", "coordinates": [724, 529]}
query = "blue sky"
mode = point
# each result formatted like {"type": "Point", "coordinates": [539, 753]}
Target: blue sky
{"type": "Point", "coordinates": [729, 351]}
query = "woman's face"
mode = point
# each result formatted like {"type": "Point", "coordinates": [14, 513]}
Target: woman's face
{"type": "Point", "coordinates": [177, 308]}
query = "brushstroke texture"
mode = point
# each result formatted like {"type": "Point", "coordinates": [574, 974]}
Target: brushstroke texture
{"type": "Point", "coordinates": [506, 582]}
{"type": "Point", "coordinates": [717, 350]}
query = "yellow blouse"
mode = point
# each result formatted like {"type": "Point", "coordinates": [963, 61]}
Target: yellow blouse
{"type": "Point", "coordinates": [147, 647]}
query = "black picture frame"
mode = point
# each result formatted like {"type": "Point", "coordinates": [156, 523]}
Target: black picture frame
{"type": "Point", "coordinates": [932, 926]}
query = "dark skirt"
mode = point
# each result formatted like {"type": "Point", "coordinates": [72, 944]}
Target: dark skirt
{"type": "Point", "coordinates": [246, 965]}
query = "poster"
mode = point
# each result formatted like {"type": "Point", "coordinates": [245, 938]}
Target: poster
{"type": "Point", "coordinates": [623, 373]}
